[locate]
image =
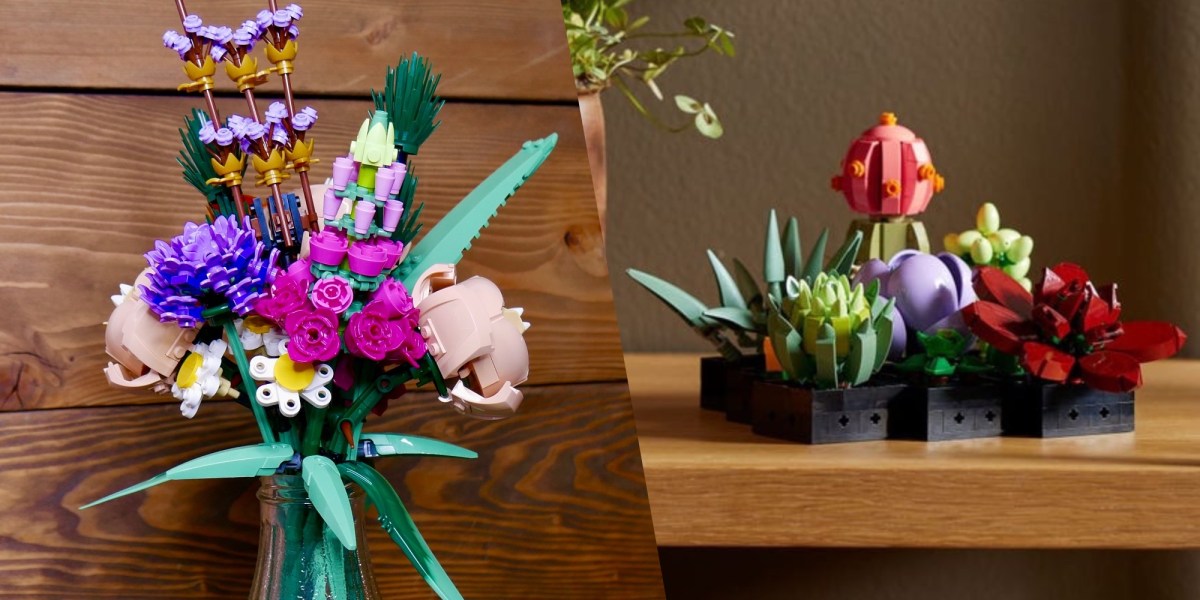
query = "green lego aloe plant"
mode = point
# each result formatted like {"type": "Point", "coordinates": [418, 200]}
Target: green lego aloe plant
{"type": "Point", "coordinates": [830, 334]}
{"type": "Point", "coordinates": [743, 308]}
{"type": "Point", "coordinates": [943, 355]}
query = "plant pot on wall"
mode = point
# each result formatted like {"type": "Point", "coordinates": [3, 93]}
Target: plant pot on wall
{"type": "Point", "coordinates": [592, 113]}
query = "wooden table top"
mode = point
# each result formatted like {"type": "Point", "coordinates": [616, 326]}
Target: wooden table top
{"type": "Point", "coordinates": [715, 483]}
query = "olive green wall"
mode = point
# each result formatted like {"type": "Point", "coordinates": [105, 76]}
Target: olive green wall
{"type": "Point", "coordinates": [1080, 119]}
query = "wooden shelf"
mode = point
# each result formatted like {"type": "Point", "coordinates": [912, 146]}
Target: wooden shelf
{"type": "Point", "coordinates": [715, 483]}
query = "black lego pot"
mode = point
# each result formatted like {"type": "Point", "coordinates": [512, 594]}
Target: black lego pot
{"type": "Point", "coordinates": [951, 412]}
{"type": "Point", "coordinates": [725, 386]}
{"type": "Point", "coordinates": [1039, 409]}
{"type": "Point", "coordinates": [813, 416]}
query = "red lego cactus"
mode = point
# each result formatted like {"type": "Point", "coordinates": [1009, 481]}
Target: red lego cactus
{"type": "Point", "coordinates": [1068, 330]}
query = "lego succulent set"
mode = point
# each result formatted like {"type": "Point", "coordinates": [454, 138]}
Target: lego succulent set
{"type": "Point", "coordinates": [887, 340]}
{"type": "Point", "coordinates": [314, 310]}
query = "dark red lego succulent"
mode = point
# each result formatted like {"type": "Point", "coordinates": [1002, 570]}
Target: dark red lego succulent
{"type": "Point", "coordinates": [1068, 330]}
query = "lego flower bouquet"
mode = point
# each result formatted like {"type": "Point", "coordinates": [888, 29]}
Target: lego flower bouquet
{"type": "Point", "coordinates": [889, 341]}
{"type": "Point", "coordinates": [315, 314]}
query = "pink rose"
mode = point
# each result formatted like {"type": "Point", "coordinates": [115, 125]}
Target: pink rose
{"type": "Point", "coordinates": [370, 334]}
{"type": "Point", "coordinates": [333, 293]}
{"type": "Point", "coordinates": [312, 335]}
{"type": "Point", "coordinates": [412, 346]}
{"type": "Point", "coordinates": [394, 300]}
{"type": "Point", "coordinates": [287, 294]}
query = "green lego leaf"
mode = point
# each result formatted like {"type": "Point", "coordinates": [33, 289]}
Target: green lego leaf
{"type": "Point", "coordinates": [197, 166]}
{"type": "Point", "coordinates": [453, 234]}
{"type": "Point", "coordinates": [843, 260]}
{"type": "Point", "coordinates": [410, 98]}
{"type": "Point", "coordinates": [860, 361]}
{"type": "Point", "coordinates": [244, 461]}
{"type": "Point", "coordinates": [884, 327]}
{"type": "Point", "coordinates": [327, 493]}
{"type": "Point", "coordinates": [398, 524]}
{"type": "Point", "coordinates": [781, 331]}
{"type": "Point", "coordinates": [816, 256]}
{"type": "Point", "coordinates": [826, 358]}
{"type": "Point", "coordinates": [410, 219]}
{"type": "Point", "coordinates": [684, 304]}
{"type": "Point", "coordinates": [394, 444]}
{"type": "Point", "coordinates": [731, 296]}
{"type": "Point", "coordinates": [747, 285]}
{"type": "Point", "coordinates": [773, 271]}
{"type": "Point", "coordinates": [735, 318]}
{"type": "Point", "coordinates": [793, 254]}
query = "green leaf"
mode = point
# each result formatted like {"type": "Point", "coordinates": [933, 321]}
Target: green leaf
{"type": "Point", "coordinates": [773, 270]}
{"type": "Point", "coordinates": [826, 358]}
{"type": "Point", "coordinates": [860, 362]}
{"type": "Point", "coordinates": [410, 99]}
{"type": "Point", "coordinates": [793, 254]}
{"type": "Point", "coordinates": [725, 41]}
{"type": "Point", "coordinates": [884, 327]}
{"type": "Point", "coordinates": [843, 260]}
{"type": "Point", "coordinates": [398, 524]}
{"type": "Point", "coordinates": [737, 318]}
{"type": "Point", "coordinates": [779, 330]}
{"type": "Point", "coordinates": [327, 493]}
{"type": "Point", "coordinates": [244, 461]}
{"type": "Point", "coordinates": [696, 24]}
{"type": "Point", "coordinates": [816, 256]}
{"type": "Point", "coordinates": [747, 285]}
{"type": "Point", "coordinates": [731, 296]}
{"type": "Point", "coordinates": [684, 304]}
{"type": "Point", "coordinates": [688, 105]}
{"type": "Point", "coordinates": [708, 125]}
{"type": "Point", "coordinates": [395, 444]}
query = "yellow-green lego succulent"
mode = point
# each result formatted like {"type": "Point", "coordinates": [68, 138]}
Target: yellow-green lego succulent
{"type": "Point", "coordinates": [830, 334]}
{"type": "Point", "coordinates": [989, 244]}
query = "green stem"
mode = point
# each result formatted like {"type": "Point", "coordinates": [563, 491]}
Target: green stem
{"type": "Point", "coordinates": [620, 84]}
{"type": "Point", "coordinates": [312, 430]}
{"type": "Point", "coordinates": [248, 383]}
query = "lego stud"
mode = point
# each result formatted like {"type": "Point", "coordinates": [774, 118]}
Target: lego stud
{"type": "Point", "coordinates": [836, 183]}
{"type": "Point", "coordinates": [887, 118]}
{"type": "Point", "coordinates": [857, 168]}
{"type": "Point", "coordinates": [926, 172]}
{"type": "Point", "coordinates": [891, 188]}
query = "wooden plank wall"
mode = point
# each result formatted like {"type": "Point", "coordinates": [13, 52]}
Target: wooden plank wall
{"type": "Point", "coordinates": [554, 508]}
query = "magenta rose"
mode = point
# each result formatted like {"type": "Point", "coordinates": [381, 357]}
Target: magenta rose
{"type": "Point", "coordinates": [333, 293]}
{"type": "Point", "coordinates": [412, 346]}
{"type": "Point", "coordinates": [394, 300]}
{"type": "Point", "coordinates": [288, 293]}
{"type": "Point", "coordinates": [370, 334]}
{"type": "Point", "coordinates": [312, 334]}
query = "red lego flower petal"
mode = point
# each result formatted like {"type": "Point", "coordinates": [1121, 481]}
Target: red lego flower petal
{"type": "Point", "coordinates": [1148, 341]}
{"type": "Point", "coordinates": [1070, 273]}
{"type": "Point", "coordinates": [1047, 362]}
{"type": "Point", "coordinates": [996, 286]}
{"type": "Point", "coordinates": [998, 326]}
{"type": "Point", "coordinates": [1098, 313]}
{"type": "Point", "coordinates": [1111, 371]}
{"type": "Point", "coordinates": [1052, 324]}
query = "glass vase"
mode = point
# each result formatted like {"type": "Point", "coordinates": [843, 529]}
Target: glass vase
{"type": "Point", "coordinates": [299, 557]}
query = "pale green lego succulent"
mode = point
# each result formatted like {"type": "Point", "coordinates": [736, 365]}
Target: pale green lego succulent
{"type": "Point", "coordinates": [989, 244]}
{"type": "Point", "coordinates": [830, 334]}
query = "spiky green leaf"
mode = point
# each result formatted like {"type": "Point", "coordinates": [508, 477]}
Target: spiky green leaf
{"type": "Point", "coordinates": [327, 493]}
{"type": "Point", "coordinates": [731, 296]}
{"type": "Point", "coordinates": [684, 304]}
{"type": "Point", "coordinates": [410, 98]}
{"type": "Point", "coordinates": [843, 259]}
{"type": "Point", "coordinates": [816, 256]}
{"type": "Point", "coordinates": [793, 254]}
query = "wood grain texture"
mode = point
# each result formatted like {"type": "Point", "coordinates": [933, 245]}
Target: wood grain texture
{"type": "Point", "coordinates": [90, 182]}
{"type": "Point", "coordinates": [513, 49]}
{"type": "Point", "coordinates": [554, 507]}
{"type": "Point", "coordinates": [714, 483]}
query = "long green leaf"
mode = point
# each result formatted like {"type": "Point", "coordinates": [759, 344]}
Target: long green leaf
{"type": "Point", "coordinates": [773, 271]}
{"type": "Point", "coordinates": [747, 285]}
{"type": "Point", "coordinates": [244, 461]}
{"type": "Point", "coordinates": [394, 444]}
{"type": "Point", "coordinates": [735, 318]}
{"type": "Point", "coordinates": [410, 98]}
{"type": "Point", "coordinates": [684, 304]}
{"type": "Point", "coordinates": [843, 259]}
{"type": "Point", "coordinates": [323, 482]}
{"type": "Point", "coordinates": [793, 254]}
{"type": "Point", "coordinates": [731, 296]}
{"type": "Point", "coordinates": [826, 358]}
{"type": "Point", "coordinates": [398, 524]}
{"type": "Point", "coordinates": [816, 257]}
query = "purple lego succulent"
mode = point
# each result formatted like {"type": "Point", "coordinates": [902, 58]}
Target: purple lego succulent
{"type": "Point", "coordinates": [206, 265]}
{"type": "Point", "coordinates": [929, 291]}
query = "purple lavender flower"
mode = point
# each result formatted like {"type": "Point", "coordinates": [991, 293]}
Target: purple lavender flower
{"type": "Point", "coordinates": [207, 133]}
{"type": "Point", "coordinates": [217, 35]}
{"type": "Point", "coordinates": [224, 136]}
{"type": "Point", "coordinates": [294, 32]}
{"type": "Point", "coordinates": [192, 23]}
{"type": "Point", "coordinates": [264, 19]}
{"type": "Point", "coordinates": [296, 11]}
{"type": "Point", "coordinates": [204, 266]}
{"type": "Point", "coordinates": [281, 18]}
{"type": "Point", "coordinates": [255, 131]}
{"type": "Point", "coordinates": [247, 35]}
{"type": "Point", "coordinates": [238, 124]}
{"type": "Point", "coordinates": [304, 119]}
{"type": "Point", "coordinates": [251, 26]}
{"type": "Point", "coordinates": [276, 113]}
{"type": "Point", "coordinates": [177, 42]}
{"type": "Point", "coordinates": [217, 53]}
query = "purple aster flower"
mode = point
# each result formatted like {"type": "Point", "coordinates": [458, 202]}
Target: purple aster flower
{"type": "Point", "coordinates": [192, 23]}
{"type": "Point", "coordinates": [263, 19]}
{"type": "Point", "coordinates": [279, 135]}
{"type": "Point", "coordinates": [281, 18]}
{"type": "Point", "coordinates": [304, 119]}
{"type": "Point", "coordinates": [177, 42]}
{"type": "Point", "coordinates": [207, 133]}
{"type": "Point", "coordinates": [206, 265]}
{"type": "Point", "coordinates": [276, 112]}
{"type": "Point", "coordinates": [296, 11]}
{"type": "Point", "coordinates": [224, 136]}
